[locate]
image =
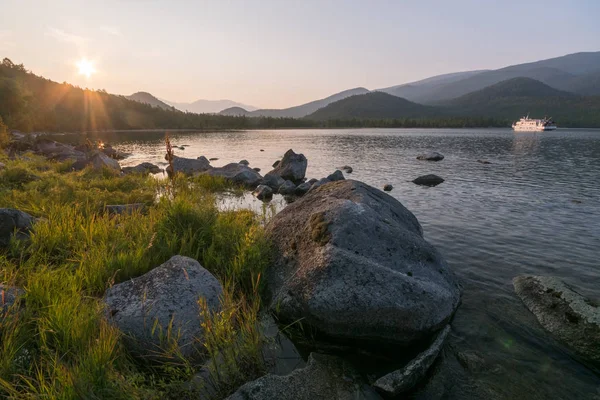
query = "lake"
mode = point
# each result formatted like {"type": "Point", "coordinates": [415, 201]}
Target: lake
{"type": "Point", "coordinates": [535, 209]}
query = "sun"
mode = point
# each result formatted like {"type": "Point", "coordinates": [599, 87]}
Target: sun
{"type": "Point", "coordinates": [86, 67]}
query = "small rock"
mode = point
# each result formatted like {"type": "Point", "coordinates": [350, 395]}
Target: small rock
{"type": "Point", "coordinates": [118, 209]}
{"type": "Point", "coordinates": [213, 159]}
{"type": "Point", "coordinates": [256, 169]}
{"type": "Point", "coordinates": [388, 187]}
{"type": "Point", "coordinates": [303, 188]}
{"type": "Point", "coordinates": [181, 148]}
{"type": "Point", "coordinates": [431, 156]}
{"type": "Point", "coordinates": [244, 162]}
{"type": "Point", "coordinates": [428, 180]}
{"type": "Point", "coordinates": [276, 164]}
{"type": "Point", "coordinates": [346, 168]}
{"type": "Point", "coordinates": [141, 307]}
{"type": "Point", "coordinates": [14, 222]}
{"type": "Point", "coordinates": [189, 166]}
{"type": "Point", "coordinates": [273, 181]}
{"type": "Point", "coordinates": [336, 176]}
{"type": "Point", "coordinates": [483, 162]}
{"type": "Point", "coordinates": [287, 188]}
{"type": "Point", "coordinates": [404, 379]}
{"type": "Point", "coordinates": [143, 168]}
{"type": "Point", "coordinates": [263, 192]}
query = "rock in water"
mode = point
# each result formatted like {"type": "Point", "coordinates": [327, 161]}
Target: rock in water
{"type": "Point", "coordinates": [263, 192]}
{"type": "Point", "coordinates": [189, 166]}
{"type": "Point", "coordinates": [14, 222]}
{"type": "Point", "coordinates": [431, 156]}
{"type": "Point", "coordinates": [351, 262]}
{"type": "Point", "coordinates": [428, 180]}
{"type": "Point", "coordinates": [404, 379]}
{"type": "Point", "coordinates": [143, 168]}
{"type": "Point", "coordinates": [388, 187]}
{"type": "Point", "coordinates": [244, 162]}
{"type": "Point", "coordinates": [237, 173]}
{"type": "Point", "coordinates": [287, 188]}
{"type": "Point", "coordinates": [273, 181]}
{"type": "Point", "coordinates": [168, 293]}
{"type": "Point", "coordinates": [336, 176]}
{"type": "Point", "coordinates": [292, 167]}
{"type": "Point", "coordinates": [570, 317]}
{"type": "Point", "coordinates": [324, 377]}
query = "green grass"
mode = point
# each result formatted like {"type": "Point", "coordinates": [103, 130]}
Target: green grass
{"type": "Point", "coordinates": [59, 344]}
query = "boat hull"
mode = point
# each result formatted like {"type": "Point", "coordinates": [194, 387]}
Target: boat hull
{"type": "Point", "coordinates": [517, 128]}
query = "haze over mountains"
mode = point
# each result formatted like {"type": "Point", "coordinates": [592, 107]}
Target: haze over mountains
{"type": "Point", "coordinates": [208, 106]}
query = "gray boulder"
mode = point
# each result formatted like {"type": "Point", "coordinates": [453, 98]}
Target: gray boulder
{"type": "Point", "coordinates": [144, 307]}
{"type": "Point", "coordinates": [14, 222]}
{"type": "Point", "coordinates": [143, 168]}
{"type": "Point", "coordinates": [57, 151]}
{"type": "Point", "coordinates": [2, 166]}
{"type": "Point", "coordinates": [8, 296]}
{"type": "Point", "coordinates": [97, 160]}
{"type": "Point", "coordinates": [189, 166]}
{"type": "Point", "coordinates": [273, 181]}
{"type": "Point", "coordinates": [324, 377]}
{"type": "Point", "coordinates": [302, 188]}
{"type": "Point", "coordinates": [404, 379]}
{"type": "Point", "coordinates": [431, 156]}
{"type": "Point", "coordinates": [263, 192]}
{"type": "Point", "coordinates": [352, 263]}
{"type": "Point", "coordinates": [568, 316]}
{"type": "Point", "coordinates": [237, 173]}
{"type": "Point", "coordinates": [428, 180]}
{"type": "Point", "coordinates": [292, 167]}
{"type": "Point", "coordinates": [287, 188]}
{"type": "Point", "coordinates": [336, 176]}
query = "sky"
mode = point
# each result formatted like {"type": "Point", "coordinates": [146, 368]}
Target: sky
{"type": "Point", "coordinates": [280, 53]}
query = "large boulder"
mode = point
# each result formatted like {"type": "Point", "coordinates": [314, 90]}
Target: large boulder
{"type": "Point", "coordinates": [324, 377]}
{"type": "Point", "coordinates": [143, 307]}
{"type": "Point", "coordinates": [352, 263]}
{"type": "Point", "coordinates": [57, 151]}
{"type": "Point", "coordinates": [273, 181]}
{"type": "Point", "coordinates": [97, 160]}
{"type": "Point", "coordinates": [292, 167]}
{"type": "Point", "coordinates": [189, 166]}
{"type": "Point", "coordinates": [431, 156]}
{"type": "Point", "coordinates": [237, 173]}
{"type": "Point", "coordinates": [143, 168]}
{"type": "Point", "coordinates": [567, 315]}
{"type": "Point", "coordinates": [14, 222]}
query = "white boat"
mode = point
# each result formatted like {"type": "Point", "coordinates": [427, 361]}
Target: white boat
{"type": "Point", "coordinates": [527, 124]}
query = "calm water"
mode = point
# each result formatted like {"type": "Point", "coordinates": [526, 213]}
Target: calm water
{"type": "Point", "coordinates": [535, 209]}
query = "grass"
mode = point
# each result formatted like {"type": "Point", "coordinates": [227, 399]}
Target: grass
{"type": "Point", "coordinates": [59, 344]}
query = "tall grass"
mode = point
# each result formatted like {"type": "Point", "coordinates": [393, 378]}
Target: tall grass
{"type": "Point", "coordinates": [57, 342]}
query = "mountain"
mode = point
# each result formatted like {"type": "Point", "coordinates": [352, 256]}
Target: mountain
{"type": "Point", "coordinates": [373, 105]}
{"type": "Point", "coordinates": [572, 72]}
{"type": "Point", "coordinates": [209, 106]}
{"type": "Point", "coordinates": [235, 112]}
{"type": "Point", "coordinates": [147, 98]}
{"type": "Point", "coordinates": [308, 108]}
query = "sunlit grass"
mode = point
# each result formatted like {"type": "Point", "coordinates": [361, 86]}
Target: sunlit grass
{"type": "Point", "coordinates": [57, 343]}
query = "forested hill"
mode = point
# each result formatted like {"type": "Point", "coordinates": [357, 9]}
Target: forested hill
{"type": "Point", "coordinates": [32, 103]}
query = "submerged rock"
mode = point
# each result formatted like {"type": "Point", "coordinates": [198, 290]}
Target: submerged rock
{"type": "Point", "coordinates": [14, 222]}
{"type": "Point", "coordinates": [263, 192]}
{"type": "Point", "coordinates": [287, 188]}
{"type": "Point", "coordinates": [143, 307]}
{"type": "Point", "coordinates": [570, 317]}
{"type": "Point", "coordinates": [143, 168]}
{"type": "Point", "coordinates": [189, 166]}
{"type": "Point", "coordinates": [292, 167]}
{"type": "Point", "coordinates": [57, 151]}
{"type": "Point", "coordinates": [352, 263]}
{"type": "Point", "coordinates": [319, 183]}
{"type": "Point", "coordinates": [237, 173]}
{"type": "Point", "coordinates": [336, 176]}
{"type": "Point", "coordinates": [244, 162]}
{"type": "Point", "coordinates": [404, 379]}
{"type": "Point", "coordinates": [256, 169]}
{"type": "Point", "coordinates": [431, 156]}
{"type": "Point", "coordinates": [483, 162]}
{"type": "Point", "coordinates": [324, 377]}
{"type": "Point", "coordinates": [387, 187]}
{"type": "Point", "coordinates": [428, 180]}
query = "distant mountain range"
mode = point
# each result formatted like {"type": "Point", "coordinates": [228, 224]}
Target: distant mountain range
{"type": "Point", "coordinates": [208, 106]}
{"type": "Point", "coordinates": [147, 98]}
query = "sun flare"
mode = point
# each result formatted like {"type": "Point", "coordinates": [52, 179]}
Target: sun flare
{"type": "Point", "coordinates": [86, 67]}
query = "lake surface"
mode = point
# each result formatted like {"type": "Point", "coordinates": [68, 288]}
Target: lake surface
{"type": "Point", "coordinates": [534, 210]}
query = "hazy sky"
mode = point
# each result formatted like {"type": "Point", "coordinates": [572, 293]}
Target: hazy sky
{"type": "Point", "coordinates": [278, 53]}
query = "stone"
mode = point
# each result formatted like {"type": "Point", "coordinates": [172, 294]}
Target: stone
{"type": "Point", "coordinates": [97, 160]}
{"type": "Point", "coordinates": [213, 159]}
{"type": "Point", "coordinates": [273, 181]}
{"type": "Point", "coordinates": [402, 380]}
{"type": "Point", "coordinates": [189, 166]}
{"type": "Point", "coordinates": [113, 153]}
{"type": "Point", "coordinates": [142, 307]}
{"type": "Point", "coordinates": [287, 188]}
{"type": "Point", "coordinates": [244, 162]}
{"type": "Point", "coordinates": [9, 295]}
{"type": "Point", "coordinates": [263, 192]}
{"type": "Point", "coordinates": [351, 262]}
{"type": "Point", "coordinates": [143, 168]}
{"type": "Point", "coordinates": [388, 187]}
{"type": "Point", "coordinates": [571, 318]}
{"type": "Point", "coordinates": [347, 169]}
{"type": "Point", "coordinates": [118, 209]}
{"type": "Point", "coordinates": [324, 377]}
{"type": "Point", "coordinates": [256, 169]}
{"type": "Point", "coordinates": [483, 162]}
{"type": "Point", "coordinates": [302, 188]}
{"type": "Point", "coordinates": [428, 180]}
{"type": "Point", "coordinates": [336, 176]}
{"type": "Point", "coordinates": [238, 174]}
{"type": "Point", "coordinates": [276, 164]}
{"type": "Point", "coordinates": [431, 156]}
{"type": "Point", "coordinates": [14, 223]}
{"type": "Point", "coordinates": [292, 167]}
{"type": "Point", "coordinates": [57, 151]}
